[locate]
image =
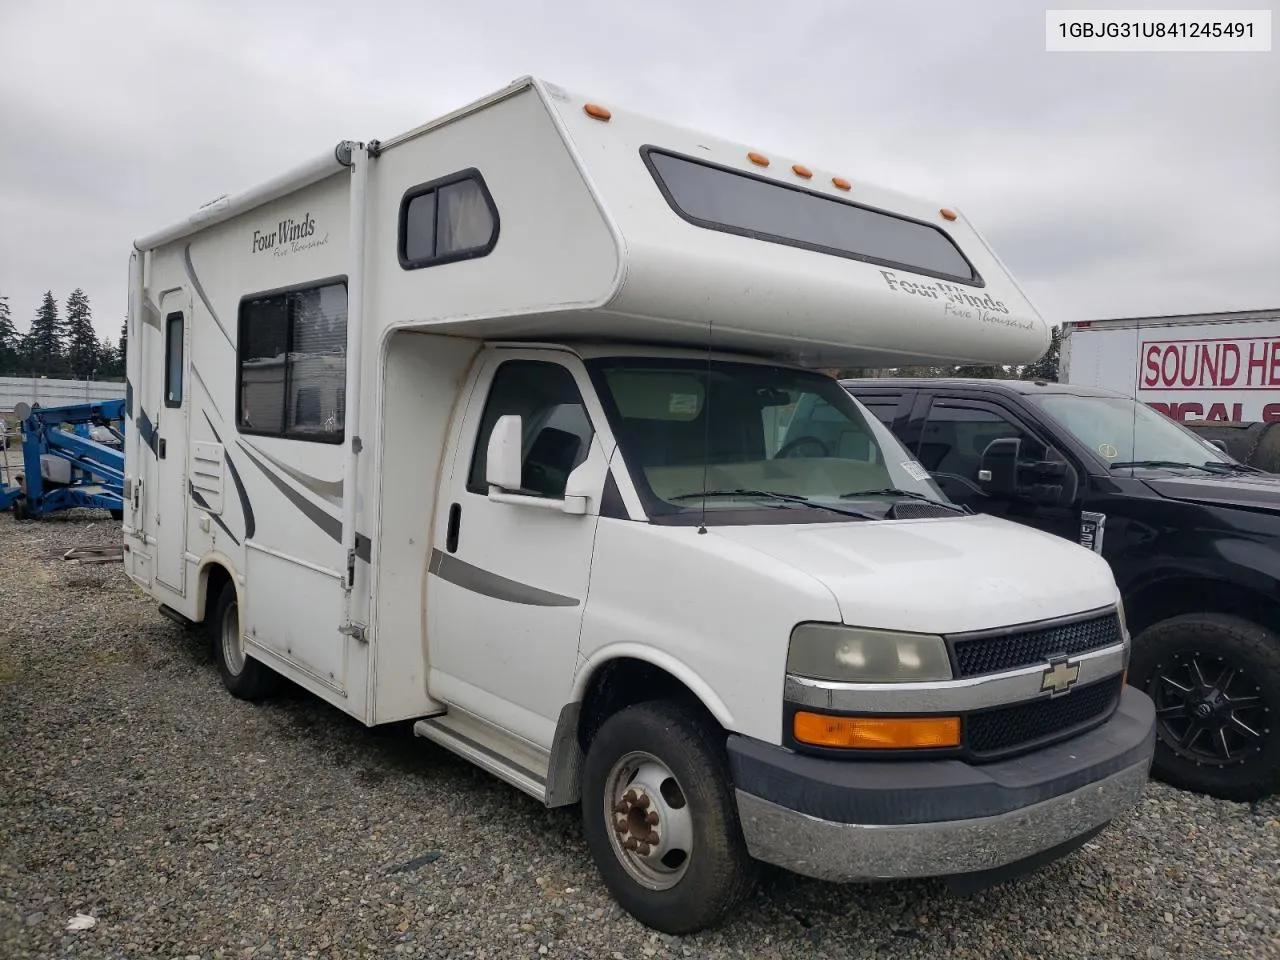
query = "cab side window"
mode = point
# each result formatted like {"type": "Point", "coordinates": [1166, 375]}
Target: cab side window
{"type": "Point", "coordinates": [557, 430]}
{"type": "Point", "coordinates": [956, 435]}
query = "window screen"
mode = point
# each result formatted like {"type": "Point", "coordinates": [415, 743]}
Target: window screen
{"type": "Point", "coordinates": [173, 364]}
{"type": "Point", "coordinates": [453, 218]}
{"type": "Point", "coordinates": [293, 365]}
{"type": "Point", "coordinates": [722, 199]}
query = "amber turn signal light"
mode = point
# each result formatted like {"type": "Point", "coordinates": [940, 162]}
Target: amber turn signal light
{"type": "Point", "coordinates": [597, 111]}
{"type": "Point", "coordinates": [876, 733]}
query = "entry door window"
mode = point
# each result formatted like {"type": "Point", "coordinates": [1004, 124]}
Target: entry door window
{"type": "Point", "coordinates": [557, 430]}
{"type": "Point", "coordinates": [173, 327]}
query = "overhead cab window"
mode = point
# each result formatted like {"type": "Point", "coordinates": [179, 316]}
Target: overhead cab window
{"type": "Point", "coordinates": [453, 218]}
{"type": "Point", "coordinates": [293, 365]}
{"type": "Point", "coordinates": [720, 198]}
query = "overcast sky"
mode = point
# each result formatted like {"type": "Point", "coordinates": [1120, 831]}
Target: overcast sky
{"type": "Point", "coordinates": [1111, 184]}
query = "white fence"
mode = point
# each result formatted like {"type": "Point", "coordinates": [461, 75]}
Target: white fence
{"type": "Point", "coordinates": [54, 393]}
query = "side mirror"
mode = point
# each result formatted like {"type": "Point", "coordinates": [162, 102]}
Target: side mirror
{"type": "Point", "coordinates": [999, 472]}
{"type": "Point", "coordinates": [504, 456]}
{"type": "Point", "coordinates": [1220, 445]}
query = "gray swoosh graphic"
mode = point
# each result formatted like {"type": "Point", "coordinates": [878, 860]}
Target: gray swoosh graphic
{"type": "Point", "coordinates": [195, 282]}
{"type": "Point", "coordinates": [462, 574]}
{"type": "Point", "coordinates": [330, 490]}
{"type": "Point", "coordinates": [205, 387]}
{"type": "Point", "coordinates": [331, 525]}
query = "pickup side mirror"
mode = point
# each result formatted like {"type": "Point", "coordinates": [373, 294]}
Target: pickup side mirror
{"type": "Point", "coordinates": [999, 472]}
{"type": "Point", "coordinates": [1220, 445]}
{"type": "Point", "coordinates": [1048, 482]}
{"type": "Point", "coordinates": [504, 456]}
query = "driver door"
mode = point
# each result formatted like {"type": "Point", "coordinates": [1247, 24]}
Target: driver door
{"type": "Point", "coordinates": [953, 435]}
{"type": "Point", "coordinates": [509, 573]}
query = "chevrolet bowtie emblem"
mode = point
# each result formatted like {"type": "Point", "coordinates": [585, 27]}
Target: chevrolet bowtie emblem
{"type": "Point", "coordinates": [1060, 677]}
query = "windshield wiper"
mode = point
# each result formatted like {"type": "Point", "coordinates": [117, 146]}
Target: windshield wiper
{"type": "Point", "coordinates": [903, 494]}
{"type": "Point", "coordinates": [1217, 466]}
{"type": "Point", "coordinates": [793, 498]}
{"type": "Point", "coordinates": [1157, 464]}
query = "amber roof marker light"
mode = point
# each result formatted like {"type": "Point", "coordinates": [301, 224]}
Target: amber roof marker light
{"type": "Point", "coordinates": [947, 213]}
{"type": "Point", "coordinates": [840, 183]}
{"type": "Point", "coordinates": [759, 159]}
{"type": "Point", "coordinates": [596, 111]}
{"type": "Point", "coordinates": [800, 170]}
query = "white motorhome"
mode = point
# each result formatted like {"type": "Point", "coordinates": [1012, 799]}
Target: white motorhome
{"type": "Point", "coordinates": [487, 426]}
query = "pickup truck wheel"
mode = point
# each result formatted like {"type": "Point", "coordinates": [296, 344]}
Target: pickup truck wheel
{"type": "Point", "coordinates": [660, 818]}
{"type": "Point", "coordinates": [245, 677]}
{"type": "Point", "coordinates": [1215, 681]}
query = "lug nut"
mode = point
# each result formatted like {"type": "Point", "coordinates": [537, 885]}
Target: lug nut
{"type": "Point", "coordinates": [642, 848]}
{"type": "Point", "coordinates": [652, 837]}
{"type": "Point", "coordinates": [651, 818]}
{"type": "Point", "coordinates": [631, 843]}
{"type": "Point", "coordinates": [643, 801]}
{"type": "Point", "coordinates": [621, 806]}
{"type": "Point", "coordinates": [629, 796]}
{"type": "Point", "coordinates": [620, 826]}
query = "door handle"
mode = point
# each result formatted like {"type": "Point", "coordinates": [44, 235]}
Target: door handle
{"type": "Point", "coordinates": [451, 533]}
{"type": "Point", "coordinates": [161, 451]}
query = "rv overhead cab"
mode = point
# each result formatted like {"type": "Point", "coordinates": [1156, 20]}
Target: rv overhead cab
{"type": "Point", "coordinates": [513, 426]}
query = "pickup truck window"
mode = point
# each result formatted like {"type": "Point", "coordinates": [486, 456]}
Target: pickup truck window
{"type": "Point", "coordinates": [955, 436]}
{"type": "Point", "coordinates": [788, 444]}
{"type": "Point", "coordinates": [1123, 431]}
{"type": "Point", "coordinates": [557, 429]}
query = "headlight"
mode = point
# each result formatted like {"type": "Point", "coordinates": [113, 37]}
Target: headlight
{"type": "Point", "coordinates": [830, 651]}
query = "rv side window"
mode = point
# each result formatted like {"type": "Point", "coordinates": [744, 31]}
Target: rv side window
{"type": "Point", "coordinates": [720, 198]}
{"type": "Point", "coordinates": [293, 364]}
{"type": "Point", "coordinates": [173, 328]}
{"type": "Point", "coordinates": [453, 218]}
{"type": "Point", "coordinates": [557, 430]}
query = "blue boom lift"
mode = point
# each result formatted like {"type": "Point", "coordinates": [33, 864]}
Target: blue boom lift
{"type": "Point", "coordinates": [69, 468]}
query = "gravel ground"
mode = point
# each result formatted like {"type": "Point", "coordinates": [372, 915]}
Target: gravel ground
{"type": "Point", "coordinates": [135, 790]}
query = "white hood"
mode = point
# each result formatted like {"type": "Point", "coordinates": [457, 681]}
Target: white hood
{"type": "Point", "coordinates": [939, 576]}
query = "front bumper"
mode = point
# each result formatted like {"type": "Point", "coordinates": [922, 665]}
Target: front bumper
{"type": "Point", "coordinates": [869, 820]}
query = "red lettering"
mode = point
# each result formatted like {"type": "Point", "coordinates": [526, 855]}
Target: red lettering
{"type": "Point", "coordinates": [1275, 363]}
{"type": "Point", "coordinates": [1233, 351]}
{"type": "Point", "coordinates": [1190, 370]}
{"type": "Point", "coordinates": [1237, 412]}
{"type": "Point", "coordinates": [1169, 379]}
{"type": "Point", "coordinates": [1152, 375]}
{"type": "Point", "coordinates": [1271, 413]}
{"type": "Point", "coordinates": [1256, 362]}
{"type": "Point", "coordinates": [1164, 408]}
{"type": "Point", "coordinates": [1189, 411]}
{"type": "Point", "coordinates": [1217, 412]}
{"type": "Point", "coordinates": [1209, 368]}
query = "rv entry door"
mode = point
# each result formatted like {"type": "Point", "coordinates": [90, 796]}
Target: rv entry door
{"type": "Point", "coordinates": [169, 392]}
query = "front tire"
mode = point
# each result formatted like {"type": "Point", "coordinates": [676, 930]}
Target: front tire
{"type": "Point", "coordinates": [660, 818]}
{"type": "Point", "coordinates": [1215, 681]}
{"type": "Point", "coordinates": [243, 676]}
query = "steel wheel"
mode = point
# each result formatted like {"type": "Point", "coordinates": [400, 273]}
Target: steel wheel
{"type": "Point", "coordinates": [651, 828]}
{"type": "Point", "coordinates": [1209, 711]}
{"type": "Point", "coordinates": [232, 641]}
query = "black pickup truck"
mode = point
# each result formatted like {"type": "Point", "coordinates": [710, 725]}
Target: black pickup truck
{"type": "Point", "coordinates": [1192, 535]}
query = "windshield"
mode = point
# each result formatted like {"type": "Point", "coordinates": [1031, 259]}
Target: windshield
{"type": "Point", "coordinates": [1124, 432]}
{"type": "Point", "coordinates": [787, 445]}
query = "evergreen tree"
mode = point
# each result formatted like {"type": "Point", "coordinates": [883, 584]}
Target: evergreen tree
{"type": "Point", "coordinates": [80, 338]}
{"type": "Point", "coordinates": [9, 340]}
{"type": "Point", "coordinates": [42, 347]}
{"type": "Point", "coordinates": [124, 344]}
{"type": "Point", "coordinates": [1046, 368]}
